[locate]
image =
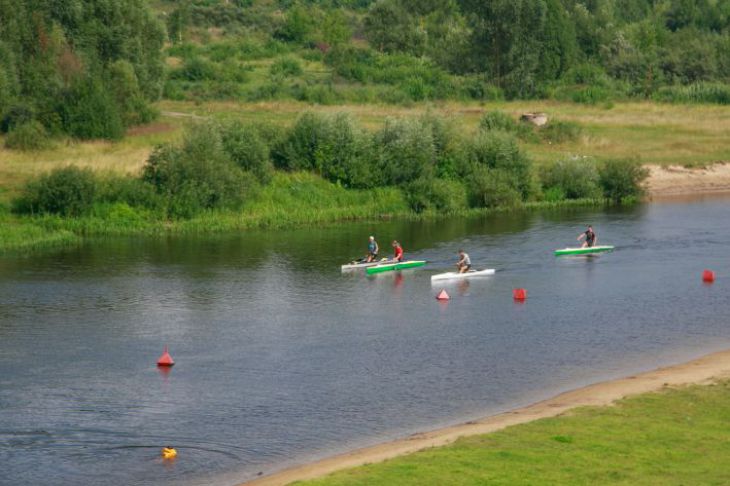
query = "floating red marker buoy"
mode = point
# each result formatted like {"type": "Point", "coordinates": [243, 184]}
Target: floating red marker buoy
{"type": "Point", "coordinates": [443, 296]}
{"type": "Point", "coordinates": [708, 276]}
{"type": "Point", "coordinates": [165, 359]}
{"type": "Point", "coordinates": [519, 294]}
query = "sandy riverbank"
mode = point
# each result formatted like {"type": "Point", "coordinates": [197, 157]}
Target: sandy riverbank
{"type": "Point", "coordinates": [666, 181]}
{"type": "Point", "coordinates": [702, 370]}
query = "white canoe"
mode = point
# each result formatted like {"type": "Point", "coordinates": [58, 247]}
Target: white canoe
{"type": "Point", "coordinates": [456, 275]}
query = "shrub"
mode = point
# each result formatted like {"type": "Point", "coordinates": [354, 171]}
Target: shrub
{"type": "Point", "coordinates": [286, 66]}
{"type": "Point", "coordinates": [561, 131]}
{"type": "Point", "coordinates": [490, 188]}
{"type": "Point", "coordinates": [447, 142]}
{"type": "Point", "coordinates": [297, 151]}
{"type": "Point", "coordinates": [404, 151]}
{"type": "Point", "coordinates": [198, 175]}
{"type": "Point", "coordinates": [69, 191]}
{"type": "Point", "coordinates": [129, 98]}
{"type": "Point", "coordinates": [553, 194]}
{"type": "Point", "coordinates": [498, 120]}
{"type": "Point", "coordinates": [430, 193]}
{"type": "Point", "coordinates": [499, 150]}
{"type": "Point", "coordinates": [343, 156]}
{"type": "Point", "coordinates": [585, 83]}
{"type": "Point", "coordinates": [196, 69]}
{"type": "Point", "coordinates": [130, 191]}
{"type": "Point", "coordinates": [28, 136]}
{"type": "Point", "coordinates": [245, 147]}
{"type": "Point", "coordinates": [333, 146]}
{"type": "Point", "coordinates": [90, 111]}
{"type": "Point", "coordinates": [574, 178]}
{"type": "Point", "coordinates": [622, 178]}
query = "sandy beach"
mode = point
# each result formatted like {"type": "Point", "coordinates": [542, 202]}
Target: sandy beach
{"type": "Point", "coordinates": [703, 370]}
{"type": "Point", "coordinates": [667, 181]}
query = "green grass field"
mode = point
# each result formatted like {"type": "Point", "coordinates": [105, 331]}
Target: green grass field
{"type": "Point", "coordinates": [673, 437]}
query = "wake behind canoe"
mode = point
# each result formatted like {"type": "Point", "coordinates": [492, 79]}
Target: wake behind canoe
{"type": "Point", "coordinates": [584, 251]}
{"type": "Point", "coordinates": [389, 267]}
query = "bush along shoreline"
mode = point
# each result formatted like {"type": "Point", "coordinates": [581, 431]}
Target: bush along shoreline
{"type": "Point", "coordinates": [322, 169]}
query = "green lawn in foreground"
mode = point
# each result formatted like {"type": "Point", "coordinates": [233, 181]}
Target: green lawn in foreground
{"type": "Point", "coordinates": [673, 437]}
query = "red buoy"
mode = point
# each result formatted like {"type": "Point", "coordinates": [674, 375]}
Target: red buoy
{"type": "Point", "coordinates": [165, 359]}
{"type": "Point", "coordinates": [708, 276]}
{"type": "Point", "coordinates": [443, 295]}
{"type": "Point", "coordinates": [519, 294]}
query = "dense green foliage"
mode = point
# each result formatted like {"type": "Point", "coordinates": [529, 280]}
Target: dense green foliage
{"type": "Point", "coordinates": [398, 51]}
{"type": "Point", "coordinates": [435, 167]}
{"type": "Point", "coordinates": [83, 67]}
{"type": "Point", "coordinates": [68, 191]}
{"type": "Point", "coordinates": [620, 178]}
{"type": "Point", "coordinates": [89, 68]}
{"type": "Point", "coordinates": [198, 175]}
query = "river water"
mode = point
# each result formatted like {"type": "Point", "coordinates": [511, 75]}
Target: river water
{"type": "Point", "coordinates": [281, 358]}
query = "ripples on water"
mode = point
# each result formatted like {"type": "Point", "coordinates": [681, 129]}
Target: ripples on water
{"type": "Point", "coordinates": [281, 358]}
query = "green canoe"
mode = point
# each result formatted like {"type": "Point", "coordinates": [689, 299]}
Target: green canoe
{"type": "Point", "coordinates": [583, 251]}
{"type": "Point", "coordinates": [389, 267]}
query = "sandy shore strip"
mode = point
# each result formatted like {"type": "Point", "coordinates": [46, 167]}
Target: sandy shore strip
{"type": "Point", "coordinates": [678, 181]}
{"type": "Point", "coordinates": [700, 371]}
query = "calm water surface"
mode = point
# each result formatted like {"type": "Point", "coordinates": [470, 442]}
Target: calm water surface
{"type": "Point", "coordinates": [282, 359]}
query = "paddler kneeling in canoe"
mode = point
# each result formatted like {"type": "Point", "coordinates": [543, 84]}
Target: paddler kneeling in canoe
{"type": "Point", "coordinates": [373, 250]}
{"type": "Point", "coordinates": [398, 257]}
{"type": "Point", "coordinates": [464, 263]}
{"type": "Point", "coordinates": [590, 237]}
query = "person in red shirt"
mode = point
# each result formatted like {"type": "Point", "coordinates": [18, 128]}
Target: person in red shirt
{"type": "Point", "coordinates": [398, 251]}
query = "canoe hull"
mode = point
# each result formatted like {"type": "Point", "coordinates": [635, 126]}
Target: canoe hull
{"type": "Point", "coordinates": [584, 251]}
{"type": "Point", "coordinates": [456, 276]}
{"type": "Point", "coordinates": [389, 267]}
{"type": "Point", "coordinates": [359, 266]}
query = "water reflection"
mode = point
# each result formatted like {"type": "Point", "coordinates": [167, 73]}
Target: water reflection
{"type": "Point", "coordinates": [281, 357]}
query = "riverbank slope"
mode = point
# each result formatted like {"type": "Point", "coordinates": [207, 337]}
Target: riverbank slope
{"type": "Point", "coordinates": [673, 180]}
{"type": "Point", "coordinates": [705, 370]}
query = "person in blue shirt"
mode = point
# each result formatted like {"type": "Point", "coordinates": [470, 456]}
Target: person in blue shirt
{"type": "Point", "coordinates": [373, 250]}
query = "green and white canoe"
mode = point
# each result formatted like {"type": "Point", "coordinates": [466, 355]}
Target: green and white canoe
{"type": "Point", "coordinates": [584, 251]}
{"type": "Point", "coordinates": [389, 267]}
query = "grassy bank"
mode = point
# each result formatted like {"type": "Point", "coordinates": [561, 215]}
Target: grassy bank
{"type": "Point", "coordinates": [657, 133]}
{"type": "Point", "coordinates": [290, 200]}
{"type": "Point", "coordinates": [677, 436]}
{"type": "Point", "coordinates": [22, 235]}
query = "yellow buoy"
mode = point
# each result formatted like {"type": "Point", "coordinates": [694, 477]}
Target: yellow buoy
{"type": "Point", "coordinates": [169, 453]}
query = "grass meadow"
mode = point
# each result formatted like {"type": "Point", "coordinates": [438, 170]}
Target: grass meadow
{"type": "Point", "coordinates": [673, 437]}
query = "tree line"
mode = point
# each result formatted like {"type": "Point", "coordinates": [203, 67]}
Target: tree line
{"type": "Point", "coordinates": [580, 50]}
{"type": "Point", "coordinates": [91, 68]}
